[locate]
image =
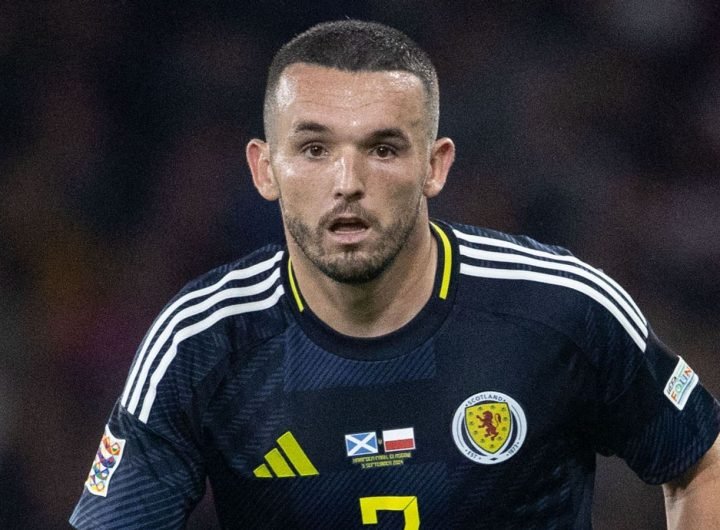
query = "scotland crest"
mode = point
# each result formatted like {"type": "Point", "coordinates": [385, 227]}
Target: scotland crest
{"type": "Point", "coordinates": [489, 427]}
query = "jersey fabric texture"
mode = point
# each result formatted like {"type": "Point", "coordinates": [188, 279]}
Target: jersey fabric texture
{"type": "Point", "coordinates": [485, 411]}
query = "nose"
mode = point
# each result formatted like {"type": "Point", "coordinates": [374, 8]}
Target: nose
{"type": "Point", "coordinates": [349, 176]}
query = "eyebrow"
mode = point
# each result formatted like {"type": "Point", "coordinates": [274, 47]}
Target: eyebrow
{"type": "Point", "coordinates": [310, 126]}
{"type": "Point", "coordinates": [388, 133]}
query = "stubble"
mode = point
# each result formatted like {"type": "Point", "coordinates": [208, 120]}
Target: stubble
{"type": "Point", "coordinates": [353, 266]}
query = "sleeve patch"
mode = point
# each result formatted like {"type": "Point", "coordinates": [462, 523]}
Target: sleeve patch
{"type": "Point", "coordinates": [107, 460]}
{"type": "Point", "coordinates": [681, 384]}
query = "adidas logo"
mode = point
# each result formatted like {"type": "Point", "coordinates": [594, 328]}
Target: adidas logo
{"type": "Point", "coordinates": [279, 466]}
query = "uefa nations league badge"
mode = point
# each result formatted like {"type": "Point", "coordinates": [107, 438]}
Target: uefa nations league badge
{"type": "Point", "coordinates": [489, 427]}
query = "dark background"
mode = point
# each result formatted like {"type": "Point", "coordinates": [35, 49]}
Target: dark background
{"type": "Point", "coordinates": [593, 125]}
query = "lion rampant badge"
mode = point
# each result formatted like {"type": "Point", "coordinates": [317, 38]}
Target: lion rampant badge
{"type": "Point", "coordinates": [489, 427]}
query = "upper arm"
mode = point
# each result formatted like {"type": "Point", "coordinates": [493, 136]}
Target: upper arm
{"type": "Point", "coordinates": [139, 479]}
{"type": "Point", "coordinates": [691, 500]}
{"type": "Point", "coordinates": [663, 420]}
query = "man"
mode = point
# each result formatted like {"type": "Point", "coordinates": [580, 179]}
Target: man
{"type": "Point", "coordinates": [385, 369]}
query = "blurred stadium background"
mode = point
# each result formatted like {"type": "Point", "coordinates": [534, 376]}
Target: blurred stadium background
{"type": "Point", "coordinates": [593, 125]}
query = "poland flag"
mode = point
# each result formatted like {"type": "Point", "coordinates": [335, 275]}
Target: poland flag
{"type": "Point", "coordinates": [399, 439]}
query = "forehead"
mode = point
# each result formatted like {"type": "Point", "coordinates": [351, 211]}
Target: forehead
{"type": "Point", "coordinates": [311, 92]}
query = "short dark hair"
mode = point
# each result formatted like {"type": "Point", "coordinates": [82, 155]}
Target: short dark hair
{"type": "Point", "coordinates": [357, 46]}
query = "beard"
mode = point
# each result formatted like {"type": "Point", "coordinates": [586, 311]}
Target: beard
{"type": "Point", "coordinates": [352, 266]}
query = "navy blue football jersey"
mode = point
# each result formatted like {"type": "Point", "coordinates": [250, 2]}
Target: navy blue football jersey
{"type": "Point", "coordinates": [485, 411]}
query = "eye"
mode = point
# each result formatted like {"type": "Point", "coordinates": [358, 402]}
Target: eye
{"type": "Point", "coordinates": [314, 151]}
{"type": "Point", "coordinates": [384, 151]}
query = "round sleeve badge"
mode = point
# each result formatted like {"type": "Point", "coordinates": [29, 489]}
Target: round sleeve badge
{"type": "Point", "coordinates": [489, 427]}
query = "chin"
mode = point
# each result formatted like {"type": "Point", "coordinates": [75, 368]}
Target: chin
{"type": "Point", "coordinates": [355, 270]}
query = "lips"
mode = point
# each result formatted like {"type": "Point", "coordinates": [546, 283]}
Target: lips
{"type": "Point", "coordinates": [348, 225]}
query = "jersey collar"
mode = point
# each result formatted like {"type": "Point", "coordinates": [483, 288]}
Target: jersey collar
{"type": "Point", "coordinates": [401, 341]}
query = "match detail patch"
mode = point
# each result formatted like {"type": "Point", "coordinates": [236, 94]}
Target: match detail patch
{"type": "Point", "coordinates": [489, 427]}
{"type": "Point", "coordinates": [368, 451]}
{"type": "Point", "coordinates": [681, 384]}
{"type": "Point", "coordinates": [106, 462]}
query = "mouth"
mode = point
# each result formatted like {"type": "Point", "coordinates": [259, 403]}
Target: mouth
{"type": "Point", "coordinates": [348, 225]}
{"type": "Point", "coordinates": [349, 230]}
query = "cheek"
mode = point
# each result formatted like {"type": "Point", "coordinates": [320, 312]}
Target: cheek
{"type": "Point", "coordinates": [300, 177]}
{"type": "Point", "coordinates": [287, 177]}
{"type": "Point", "coordinates": [300, 192]}
{"type": "Point", "coordinates": [402, 186]}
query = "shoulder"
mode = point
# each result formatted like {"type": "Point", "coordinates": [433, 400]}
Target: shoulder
{"type": "Point", "coordinates": [479, 237]}
{"type": "Point", "coordinates": [257, 266]}
{"type": "Point", "coordinates": [521, 277]}
{"type": "Point", "coordinates": [246, 289]}
{"type": "Point", "coordinates": [212, 317]}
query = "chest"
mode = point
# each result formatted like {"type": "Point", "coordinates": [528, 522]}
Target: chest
{"type": "Point", "coordinates": [473, 409]}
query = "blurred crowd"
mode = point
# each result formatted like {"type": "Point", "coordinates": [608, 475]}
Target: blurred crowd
{"type": "Point", "coordinates": [592, 125]}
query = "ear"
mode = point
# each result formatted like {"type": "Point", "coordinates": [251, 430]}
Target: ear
{"type": "Point", "coordinates": [441, 158]}
{"type": "Point", "coordinates": [258, 158]}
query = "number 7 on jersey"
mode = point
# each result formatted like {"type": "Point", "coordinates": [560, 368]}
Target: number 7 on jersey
{"type": "Point", "coordinates": [370, 506]}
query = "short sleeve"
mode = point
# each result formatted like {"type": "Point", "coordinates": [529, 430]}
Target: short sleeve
{"type": "Point", "coordinates": [663, 420]}
{"type": "Point", "coordinates": [149, 470]}
{"type": "Point", "coordinates": [139, 479]}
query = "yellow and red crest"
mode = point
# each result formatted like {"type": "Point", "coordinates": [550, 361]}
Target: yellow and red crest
{"type": "Point", "coordinates": [489, 425]}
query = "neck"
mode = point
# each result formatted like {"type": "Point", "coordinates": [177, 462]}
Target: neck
{"type": "Point", "coordinates": [380, 306]}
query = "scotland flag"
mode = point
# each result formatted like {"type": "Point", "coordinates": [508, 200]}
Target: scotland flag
{"type": "Point", "coordinates": [362, 443]}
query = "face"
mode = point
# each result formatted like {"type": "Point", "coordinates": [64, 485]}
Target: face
{"type": "Point", "coordinates": [349, 158]}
